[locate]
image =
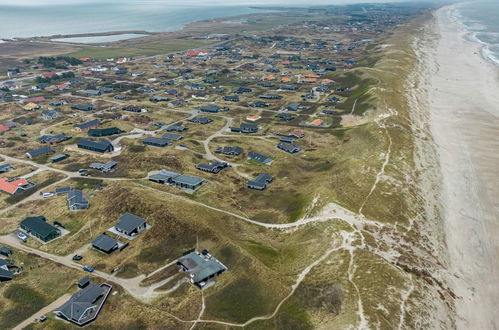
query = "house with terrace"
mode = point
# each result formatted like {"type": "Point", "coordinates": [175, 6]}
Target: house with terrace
{"type": "Point", "coordinates": [104, 167]}
{"type": "Point", "coordinates": [212, 167]}
{"type": "Point", "coordinates": [130, 225]}
{"type": "Point", "coordinates": [97, 146]}
{"type": "Point", "coordinates": [105, 243]}
{"type": "Point", "coordinates": [15, 186]}
{"type": "Point", "coordinates": [39, 227]}
{"type": "Point", "coordinates": [229, 151]}
{"type": "Point", "coordinates": [259, 158]}
{"type": "Point", "coordinates": [39, 152]}
{"type": "Point", "coordinates": [260, 182]}
{"type": "Point", "coordinates": [77, 200]}
{"type": "Point", "coordinates": [201, 267]}
{"type": "Point", "coordinates": [190, 183]}
{"type": "Point", "coordinates": [85, 305]}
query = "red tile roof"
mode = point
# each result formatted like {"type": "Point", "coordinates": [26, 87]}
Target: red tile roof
{"type": "Point", "coordinates": [11, 187]}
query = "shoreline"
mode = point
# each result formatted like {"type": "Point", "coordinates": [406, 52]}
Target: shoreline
{"type": "Point", "coordinates": [462, 94]}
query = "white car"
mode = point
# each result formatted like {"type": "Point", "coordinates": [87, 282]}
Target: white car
{"type": "Point", "coordinates": [47, 195]}
{"type": "Point", "coordinates": [22, 236]}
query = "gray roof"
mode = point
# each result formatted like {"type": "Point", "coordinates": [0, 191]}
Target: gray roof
{"type": "Point", "coordinates": [38, 225]}
{"type": "Point", "coordinates": [40, 151]}
{"type": "Point", "coordinates": [74, 309]}
{"type": "Point", "coordinates": [129, 222]}
{"type": "Point", "coordinates": [156, 141]}
{"type": "Point", "coordinates": [105, 243]}
{"type": "Point", "coordinates": [99, 145]}
{"type": "Point", "coordinates": [201, 267]}
{"type": "Point", "coordinates": [170, 136]}
{"type": "Point", "coordinates": [260, 158]}
{"type": "Point", "coordinates": [191, 180]}
{"type": "Point", "coordinates": [86, 125]}
{"type": "Point", "coordinates": [76, 197]}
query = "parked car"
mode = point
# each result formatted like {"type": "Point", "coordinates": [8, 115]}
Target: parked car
{"type": "Point", "coordinates": [47, 195]}
{"type": "Point", "coordinates": [77, 257]}
{"type": "Point", "coordinates": [88, 269]}
{"type": "Point", "coordinates": [22, 236]}
{"type": "Point", "coordinates": [42, 318]}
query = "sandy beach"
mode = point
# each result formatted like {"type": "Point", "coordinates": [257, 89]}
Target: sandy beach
{"type": "Point", "coordinates": [461, 96]}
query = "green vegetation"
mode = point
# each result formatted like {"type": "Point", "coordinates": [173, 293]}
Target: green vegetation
{"type": "Point", "coordinates": [145, 49]}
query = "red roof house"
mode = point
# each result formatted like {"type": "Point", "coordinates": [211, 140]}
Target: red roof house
{"type": "Point", "coordinates": [13, 186]}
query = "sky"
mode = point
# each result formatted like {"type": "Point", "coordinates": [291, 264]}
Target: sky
{"type": "Point", "coordinates": [191, 2]}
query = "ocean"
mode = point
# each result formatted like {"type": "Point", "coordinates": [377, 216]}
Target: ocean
{"type": "Point", "coordinates": [481, 19]}
{"type": "Point", "coordinates": [106, 16]}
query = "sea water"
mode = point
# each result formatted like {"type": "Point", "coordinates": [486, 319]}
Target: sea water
{"type": "Point", "coordinates": [47, 18]}
{"type": "Point", "coordinates": [482, 20]}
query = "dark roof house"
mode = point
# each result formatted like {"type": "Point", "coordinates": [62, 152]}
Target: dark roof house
{"type": "Point", "coordinates": [77, 200]}
{"type": "Point", "coordinates": [39, 228]}
{"type": "Point", "coordinates": [202, 267]}
{"type": "Point", "coordinates": [260, 158]}
{"type": "Point", "coordinates": [97, 146]}
{"type": "Point", "coordinates": [130, 224]}
{"type": "Point", "coordinates": [39, 152]}
{"type": "Point", "coordinates": [260, 182]}
{"type": "Point", "coordinates": [105, 243]}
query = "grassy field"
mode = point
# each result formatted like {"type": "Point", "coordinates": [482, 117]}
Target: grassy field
{"type": "Point", "coordinates": [145, 49]}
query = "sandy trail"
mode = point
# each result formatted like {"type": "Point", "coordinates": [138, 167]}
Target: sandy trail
{"type": "Point", "coordinates": [463, 96]}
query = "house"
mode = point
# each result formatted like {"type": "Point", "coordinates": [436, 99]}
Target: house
{"type": "Point", "coordinates": [156, 142]}
{"type": "Point", "coordinates": [201, 267]}
{"type": "Point", "coordinates": [195, 87]}
{"type": "Point", "coordinates": [58, 158]}
{"type": "Point", "coordinates": [5, 168]}
{"type": "Point", "coordinates": [172, 137]}
{"type": "Point", "coordinates": [85, 305]}
{"type": "Point", "coordinates": [253, 118]}
{"type": "Point", "coordinates": [297, 134]}
{"type": "Point", "coordinates": [177, 180]}
{"type": "Point", "coordinates": [245, 128]}
{"type": "Point", "coordinates": [291, 148]}
{"type": "Point", "coordinates": [293, 107]}
{"type": "Point", "coordinates": [130, 224]}
{"type": "Point", "coordinates": [260, 182]}
{"type": "Point", "coordinates": [97, 146]}
{"type": "Point", "coordinates": [14, 186]}
{"type": "Point", "coordinates": [212, 167]}
{"type": "Point", "coordinates": [77, 200]}
{"type": "Point", "coordinates": [5, 273]}
{"type": "Point", "coordinates": [51, 139]}
{"type": "Point", "coordinates": [285, 116]}
{"type": "Point", "coordinates": [259, 104]}
{"type": "Point", "coordinates": [157, 99]}
{"type": "Point", "coordinates": [210, 109]}
{"type": "Point", "coordinates": [288, 88]}
{"type": "Point", "coordinates": [4, 128]}
{"type": "Point", "coordinates": [87, 125]}
{"type": "Point", "coordinates": [83, 107]}
{"type": "Point", "coordinates": [50, 114]}
{"type": "Point", "coordinates": [39, 152]}
{"type": "Point", "coordinates": [201, 120]}
{"type": "Point", "coordinates": [40, 228]}
{"type": "Point", "coordinates": [271, 97]}
{"type": "Point", "coordinates": [62, 190]}
{"type": "Point", "coordinates": [5, 251]}
{"type": "Point", "coordinates": [133, 108]}
{"type": "Point", "coordinates": [104, 167]}
{"type": "Point", "coordinates": [31, 106]}
{"type": "Point", "coordinates": [99, 132]}
{"type": "Point", "coordinates": [260, 158]}
{"type": "Point", "coordinates": [243, 90]}
{"type": "Point", "coordinates": [317, 122]}
{"type": "Point", "coordinates": [176, 128]}
{"type": "Point", "coordinates": [105, 243]}
{"type": "Point", "coordinates": [229, 151]}
{"type": "Point", "coordinates": [92, 92]}
{"type": "Point", "coordinates": [231, 98]}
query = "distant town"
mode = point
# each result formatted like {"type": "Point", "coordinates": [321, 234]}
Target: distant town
{"type": "Point", "coordinates": [124, 170]}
